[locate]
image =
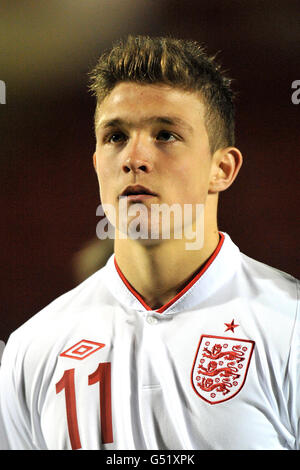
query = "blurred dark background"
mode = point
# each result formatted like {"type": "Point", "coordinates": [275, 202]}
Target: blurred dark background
{"type": "Point", "coordinates": [49, 188]}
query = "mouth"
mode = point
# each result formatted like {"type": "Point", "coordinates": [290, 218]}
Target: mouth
{"type": "Point", "coordinates": [137, 193]}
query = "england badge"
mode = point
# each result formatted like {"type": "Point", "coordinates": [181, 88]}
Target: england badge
{"type": "Point", "coordinates": [220, 367]}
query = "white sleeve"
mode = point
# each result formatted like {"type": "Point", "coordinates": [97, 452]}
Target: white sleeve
{"type": "Point", "coordinates": [297, 371]}
{"type": "Point", "coordinates": [15, 429]}
{"type": "Point", "coordinates": [294, 376]}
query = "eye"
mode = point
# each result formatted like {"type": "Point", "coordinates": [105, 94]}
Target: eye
{"type": "Point", "coordinates": [115, 138]}
{"type": "Point", "coordinates": [166, 136]}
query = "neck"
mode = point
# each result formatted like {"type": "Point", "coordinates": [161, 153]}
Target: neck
{"type": "Point", "coordinates": [160, 271]}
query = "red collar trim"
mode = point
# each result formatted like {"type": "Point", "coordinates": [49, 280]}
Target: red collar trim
{"type": "Point", "coordinates": [184, 290]}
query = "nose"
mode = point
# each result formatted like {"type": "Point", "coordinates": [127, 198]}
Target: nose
{"type": "Point", "coordinates": [138, 157]}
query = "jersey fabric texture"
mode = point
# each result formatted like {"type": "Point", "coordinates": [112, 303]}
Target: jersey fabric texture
{"type": "Point", "coordinates": [217, 367]}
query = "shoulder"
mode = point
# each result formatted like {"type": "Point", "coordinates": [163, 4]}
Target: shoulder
{"type": "Point", "coordinates": [55, 321]}
{"type": "Point", "coordinates": [258, 278]}
{"type": "Point", "coordinates": [270, 288]}
{"type": "Point", "coordinates": [272, 277]}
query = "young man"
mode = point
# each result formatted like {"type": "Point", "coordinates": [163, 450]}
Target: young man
{"type": "Point", "coordinates": [167, 346]}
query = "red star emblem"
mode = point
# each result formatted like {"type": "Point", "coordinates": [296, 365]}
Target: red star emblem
{"type": "Point", "coordinates": [231, 326]}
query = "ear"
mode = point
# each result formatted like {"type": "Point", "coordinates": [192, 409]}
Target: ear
{"type": "Point", "coordinates": [225, 167]}
{"type": "Point", "coordinates": [95, 161]}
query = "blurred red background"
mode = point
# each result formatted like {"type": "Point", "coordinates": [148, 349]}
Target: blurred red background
{"type": "Point", "coordinates": [49, 187]}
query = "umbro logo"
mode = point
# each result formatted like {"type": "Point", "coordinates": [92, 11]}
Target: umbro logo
{"type": "Point", "coordinates": [82, 349]}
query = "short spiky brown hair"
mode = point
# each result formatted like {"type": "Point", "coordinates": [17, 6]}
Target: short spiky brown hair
{"type": "Point", "coordinates": [179, 63]}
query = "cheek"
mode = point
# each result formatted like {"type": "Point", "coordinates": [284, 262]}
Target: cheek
{"type": "Point", "coordinates": [104, 171]}
{"type": "Point", "coordinates": [189, 183]}
{"type": "Point", "coordinates": [103, 174]}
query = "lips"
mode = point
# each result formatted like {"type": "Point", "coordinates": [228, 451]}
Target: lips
{"type": "Point", "coordinates": [133, 191]}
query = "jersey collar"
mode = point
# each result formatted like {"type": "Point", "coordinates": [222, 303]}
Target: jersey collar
{"type": "Point", "coordinates": [217, 271]}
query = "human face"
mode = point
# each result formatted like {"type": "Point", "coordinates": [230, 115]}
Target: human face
{"type": "Point", "coordinates": [154, 136]}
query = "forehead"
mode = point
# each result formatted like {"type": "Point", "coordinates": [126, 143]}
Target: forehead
{"type": "Point", "coordinates": [134, 102]}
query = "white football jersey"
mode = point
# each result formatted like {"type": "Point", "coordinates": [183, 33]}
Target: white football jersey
{"type": "Point", "coordinates": [217, 367]}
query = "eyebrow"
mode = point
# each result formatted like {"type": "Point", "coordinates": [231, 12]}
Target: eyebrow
{"type": "Point", "coordinates": [169, 120]}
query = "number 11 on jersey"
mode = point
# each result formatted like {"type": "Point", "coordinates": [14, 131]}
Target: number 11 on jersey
{"type": "Point", "coordinates": [102, 375]}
